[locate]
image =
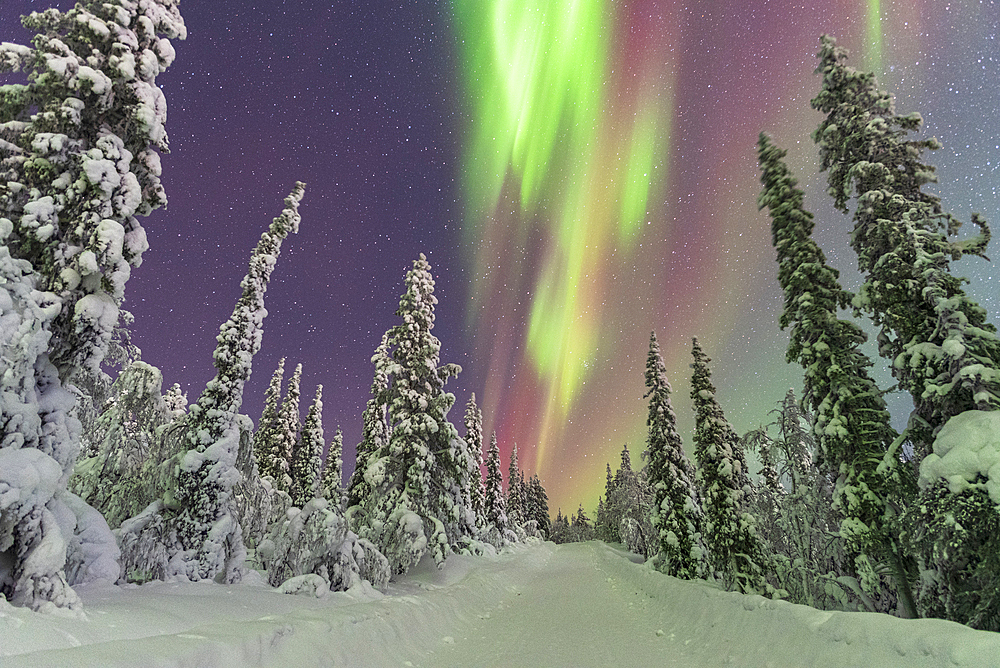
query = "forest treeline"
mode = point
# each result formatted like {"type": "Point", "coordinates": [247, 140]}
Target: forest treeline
{"type": "Point", "coordinates": [112, 478]}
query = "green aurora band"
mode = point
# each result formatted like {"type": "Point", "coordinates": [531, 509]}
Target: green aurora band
{"type": "Point", "coordinates": [575, 167]}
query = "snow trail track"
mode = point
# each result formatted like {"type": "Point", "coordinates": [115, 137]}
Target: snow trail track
{"type": "Point", "coordinates": [546, 605]}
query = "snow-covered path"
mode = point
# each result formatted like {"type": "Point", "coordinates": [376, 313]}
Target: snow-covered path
{"type": "Point", "coordinates": [540, 605]}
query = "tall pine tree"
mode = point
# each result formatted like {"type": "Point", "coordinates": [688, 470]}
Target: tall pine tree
{"type": "Point", "coordinates": [514, 510]}
{"type": "Point", "coordinates": [268, 428]}
{"type": "Point", "coordinates": [375, 432]}
{"type": "Point", "coordinates": [307, 461]}
{"type": "Point", "coordinates": [851, 428]}
{"type": "Point", "coordinates": [419, 479]}
{"type": "Point", "coordinates": [540, 503]}
{"type": "Point", "coordinates": [331, 483]}
{"type": "Point", "coordinates": [494, 502]}
{"type": "Point", "coordinates": [474, 440]}
{"type": "Point", "coordinates": [286, 433]}
{"type": "Point", "coordinates": [940, 347]}
{"type": "Point", "coordinates": [722, 477]}
{"type": "Point", "coordinates": [203, 512]}
{"type": "Point", "coordinates": [676, 508]}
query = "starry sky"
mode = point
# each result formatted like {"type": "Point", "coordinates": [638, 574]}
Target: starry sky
{"type": "Point", "coordinates": [578, 172]}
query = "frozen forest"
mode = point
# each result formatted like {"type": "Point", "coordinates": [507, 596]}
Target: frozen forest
{"type": "Point", "coordinates": [116, 492]}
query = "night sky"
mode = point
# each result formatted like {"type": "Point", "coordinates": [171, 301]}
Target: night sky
{"type": "Point", "coordinates": [578, 173]}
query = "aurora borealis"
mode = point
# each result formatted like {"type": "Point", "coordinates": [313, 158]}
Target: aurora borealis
{"type": "Point", "coordinates": [610, 190]}
{"type": "Point", "coordinates": [578, 172]}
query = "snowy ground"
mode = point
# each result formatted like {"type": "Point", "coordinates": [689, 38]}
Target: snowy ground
{"type": "Point", "coordinates": [581, 604]}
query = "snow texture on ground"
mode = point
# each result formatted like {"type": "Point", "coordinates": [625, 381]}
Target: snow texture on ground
{"type": "Point", "coordinates": [580, 604]}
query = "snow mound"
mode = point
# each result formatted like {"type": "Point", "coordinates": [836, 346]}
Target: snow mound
{"type": "Point", "coordinates": [966, 454]}
{"type": "Point", "coordinates": [309, 584]}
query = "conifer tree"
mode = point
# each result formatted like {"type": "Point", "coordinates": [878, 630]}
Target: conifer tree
{"type": "Point", "coordinates": [560, 532]}
{"type": "Point", "coordinates": [541, 505]}
{"type": "Point", "coordinates": [852, 431]}
{"type": "Point", "coordinates": [286, 433]}
{"type": "Point", "coordinates": [580, 527]}
{"type": "Point", "coordinates": [522, 487]}
{"type": "Point", "coordinates": [495, 504]}
{"type": "Point", "coordinates": [676, 508]}
{"type": "Point", "coordinates": [474, 439]}
{"type": "Point", "coordinates": [940, 347]}
{"type": "Point", "coordinates": [602, 522]}
{"type": "Point", "coordinates": [332, 485]}
{"type": "Point", "coordinates": [629, 508]}
{"type": "Point", "coordinates": [723, 480]}
{"type": "Point", "coordinates": [419, 479]}
{"type": "Point", "coordinates": [609, 492]}
{"type": "Point", "coordinates": [209, 540]}
{"type": "Point", "coordinates": [79, 163]}
{"type": "Point", "coordinates": [375, 430]}
{"type": "Point", "coordinates": [268, 429]}
{"type": "Point", "coordinates": [307, 462]}
{"type": "Point", "coordinates": [514, 510]}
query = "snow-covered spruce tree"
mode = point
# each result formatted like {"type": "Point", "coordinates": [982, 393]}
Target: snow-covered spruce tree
{"type": "Point", "coordinates": [729, 530]}
{"type": "Point", "coordinates": [197, 521]}
{"type": "Point", "coordinates": [514, 510]}
{"type": "Point", "coordinates": [80, 160]}
{"type": "Point", "coordinates": [602, 522]}
{"type": "Point", "coordinates": [417, 480]}
{"type": "Point", "coordinates": [307, 460]}
{"type": "Point", "coordinates": [268, 428]}
{"type": "Point", "coordinates": [375, 431]}
{"type": "Point", "coordinates": [286, 433]}
{"type": "Point", "coordinates": [610, 531]}
{"type": "Point", "coordinates": [331, 483]}
{"type": "Point", "coordinates": [560, 532]}
{"type": "Point", "coordinates": [855, 440]}
{"type": "Point", "coordinates": [939, 344]}
{"type": "Point", "coordinates": [78, 163]}
{"type": "Point", "coordinates": [580, 528]}
{"type": "Point", "coordinates": [495, 505]}
{"type": "Point", "coordinates": [676, 508]}
{"type": "Point", "coordinates": [474, 440]}
{"type": "Point", "coordinates": [540, 503]}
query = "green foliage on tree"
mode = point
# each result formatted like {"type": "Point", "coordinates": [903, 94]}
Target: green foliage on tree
{"type": "Point", "coordinates": [474, 441]}
{"type": "Point", "coordinates": [942, 350]}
